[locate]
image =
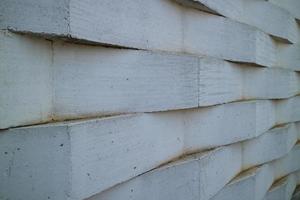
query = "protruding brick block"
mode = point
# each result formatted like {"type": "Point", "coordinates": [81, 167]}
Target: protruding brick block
{"type": "Point", "coordinates": [288, 56]}
{"type": "Point", "coordinates": [272, 145]}
{"type": "Point", "coordinates": [287, 164]}
{"type": "Point", "coordinates": [282, 189]}
{"type": "Point", "coordinates": [276, 20]}
{"type": "Point", "coordinates": [252, 184]}
{"type": "Point", "coordinates": [25, 80]}
{"type": "Point", "coordinates": [293, 6]}
{"type": "Point", "coordinates": [198, 176]}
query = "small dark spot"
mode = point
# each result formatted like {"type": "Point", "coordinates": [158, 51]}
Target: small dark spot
{"type": "Point", "coordinates": [127, 79]}
{"type": "Point", "coordinates": [131, 190]}
{"type": "Point", "coordinates": [18, 149]}
{"type": "Point", "coordinates": [61, 145]}
{"type": "Point", "coordinates": [48, 198]}
{"type": "Point", "coordinates": [112, 141]}
{"type": "Point", "coordinates": [134, 167]}
{"type": "Point", "coordinates": [5, 152]}
{"type": "Point", "coordinates": [88, 174]}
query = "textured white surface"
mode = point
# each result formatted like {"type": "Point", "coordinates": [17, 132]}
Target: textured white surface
{"type": "Point", "coordinates": [25, 80]}
{"type": "Point", "coordinates": [156, 25]}
{"type": "Point", "coordinates": [288, 164]}
{"type": "Point", "coordinates": [34, 165]}
{"type": "Point", "coordinates": [98, 153]}
{"type": "Point", "coordinates": [116, 149]}
{"type": "Point", "coordinates": [45, 17]}
{"type": "Point", "coordinates": [272, 145]}
{"type": "Point", "coordinates": [264, 15]}
{"type": "Point", "coordinates": [288, 56]}
{"type": "Point", "coordinates": [293, 6]}
{"type": "Point", "coordinates": [163, 100]}
{"type": "Point", "coordinates": [283, 189]}
{"type": "Point", "coordinates": [252, 184]}
{"type": "Point", "coordinates": [68, 81]}
{"type": "Point", "coordinates": [288, 110]}
{"type": "Point", "coordinates": [195, 177]}
{"type": "Point", "coordinates": [223, 38]}
{"type": "Point", "coordinates": [95, 80]}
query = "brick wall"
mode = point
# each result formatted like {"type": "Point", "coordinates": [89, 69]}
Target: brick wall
{"type": "Point", "coordinates": [149, 99]}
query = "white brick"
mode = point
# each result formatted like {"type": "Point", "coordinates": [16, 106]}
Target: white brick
{"type": "Point", "coordinates": [272, 145]}
{"type": "Point", "coordinates": [276, 21]}
{"type": "Point", "coordinates": [77, 160]}
{"type": "Point", "coordinates": [155, 25]}
{"type": "Point", "coordinates": [25, 80]}
{"type": "Point", "coordinates": [45, 17]}
{"type": "Point", "coordinates": [228, 8]}
{"type": "Point", "coordinates": [196, 177]}
{"type": "Point", "coordinates": [163, 65]}
{"type": "Point", "coordinates": [265, 115]}
{"type": "Point", "coordinates": [255, 182]}
{"type": "Point", "coordinates": [219, 81]}
{"type": "Point", "coordinates": [220, 37]}
{"type": "Point", "coordinates": [215, 126]}
{"type": "Point", "coordinates": [293, 6]}
{"type": "Point", "coordinates": [34, 164]}
{"type": "Point", "coordinates": [112, 149]}
{"type": "Point", "coordinates": [95, 81]}
{"type": "Point", "coordinates": [116, 149]}
{"type": "Point", "coordinates": [282, 189]}
{"type": "Point", "coordinates": [262, 83]}
{"type": "Point", "coordinates": [288, 56]}
{"type": "Point", "coordinates": [288, 110]}
{"type": "Point", "coordinates": [252, 184]}
{"type": "Point", "coordinates": [287, 164]}
{"type": "Point", "coordinates": [76, 81]}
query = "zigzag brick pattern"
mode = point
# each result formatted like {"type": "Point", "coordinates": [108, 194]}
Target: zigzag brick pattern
{"type": "Point", "coordinates": [149, 99]}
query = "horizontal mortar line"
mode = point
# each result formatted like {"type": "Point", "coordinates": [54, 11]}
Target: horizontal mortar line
{"type": "Point", "coordinates": [61, 122]}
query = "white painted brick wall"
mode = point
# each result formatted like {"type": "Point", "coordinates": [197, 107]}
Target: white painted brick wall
{"type": "Point", "coordinates": [149, 99]}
